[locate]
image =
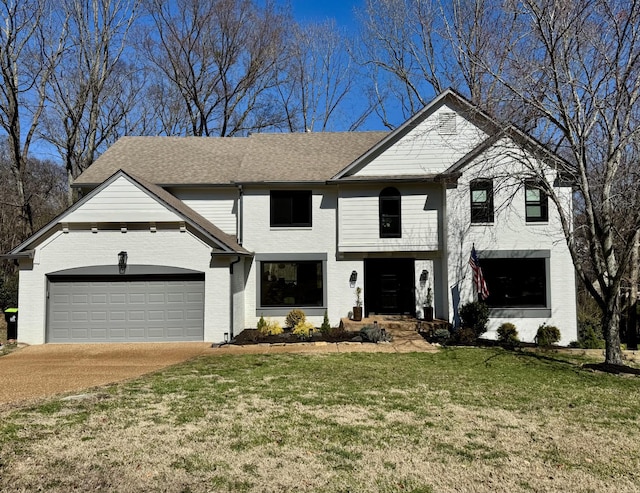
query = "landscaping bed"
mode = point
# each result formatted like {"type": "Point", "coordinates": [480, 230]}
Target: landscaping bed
{"type": "Point", "coordinates": [253, 336]}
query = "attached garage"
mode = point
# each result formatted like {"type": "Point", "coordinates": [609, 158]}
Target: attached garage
{"type": "Point", "coordinates": [146, 304]}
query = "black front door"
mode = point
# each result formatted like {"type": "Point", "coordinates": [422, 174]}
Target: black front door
{"type": "Point", "coordinates": [389, 286]}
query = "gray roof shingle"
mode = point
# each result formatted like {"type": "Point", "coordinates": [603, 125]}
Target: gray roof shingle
{"type": "Point", "coordinates": [259, 158]}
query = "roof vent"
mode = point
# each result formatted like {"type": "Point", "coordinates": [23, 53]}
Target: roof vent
{"type": "Point", "coordinates": [447, 123]}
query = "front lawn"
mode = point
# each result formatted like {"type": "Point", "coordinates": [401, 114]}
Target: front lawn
{"type": "Point", "coordinates": [458, 420]}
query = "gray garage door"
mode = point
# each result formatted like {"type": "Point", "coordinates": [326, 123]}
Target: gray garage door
{"type": "Point", "coordinates": [137, 310]}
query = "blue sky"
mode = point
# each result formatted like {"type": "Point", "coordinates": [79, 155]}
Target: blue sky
{"type": "Point", "coordinates": [320, 10]}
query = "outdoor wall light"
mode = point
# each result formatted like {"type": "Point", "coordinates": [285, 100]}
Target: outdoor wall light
{"type": "Point", "coordinates": [122, 262]}
{"type": "Point", "coordinates": [353, 278]}
{"type": "Point", "coordinates": [424, 275]}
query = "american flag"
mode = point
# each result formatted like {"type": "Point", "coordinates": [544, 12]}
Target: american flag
{"type": "Point", "coordinates": [478, 279]}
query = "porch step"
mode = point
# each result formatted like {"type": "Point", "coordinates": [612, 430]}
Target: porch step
{"type": "Point", "coordinates": [388, 322]}
{"type": "Point", "coordinates": [403, 330]}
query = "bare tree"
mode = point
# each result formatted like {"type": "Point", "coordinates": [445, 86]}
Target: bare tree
{"type": "Point", "coordinates": [316, 79]}
{"type": "Point", "coordinates": [568, 71]}
{"type": "Point", "coordinates": [218, 59]}
{"type": "Point", "coordinates": [415, 49]}
{"type": "Point", "coordinates": [30, 48]}
{"type": "Point", "coordinates": [93, 89]}
{"type": "Point", "coordinates": [576, 67]}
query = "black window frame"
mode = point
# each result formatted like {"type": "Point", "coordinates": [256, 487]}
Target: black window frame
{"type": "Point", "coordinates": [542, 202]}
{"type": "Point", "coordinates": [291, 205]}
{"type": "Point", "coordinates": [273, 288]}
{"type": "Point", "coordinates": [517, 283]}
{"type": "Point", "coordinates": [482, 212]}
{"type": "Point", "coordinates": [390, 221]}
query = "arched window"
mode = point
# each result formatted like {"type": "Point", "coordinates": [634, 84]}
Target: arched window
{"type": "Point", "coordinates": [390, 213]}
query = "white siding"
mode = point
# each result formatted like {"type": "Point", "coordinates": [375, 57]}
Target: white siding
{"type": "Point", "coordinates": [359, 227]}
{"type": "Point", "coordinates": [120, 201]}
{"type": "Point", "coordinates": [214, 204]}
{"type": "Point", "coordinates": [510, 232]}
{"type": "Point", "coordinates": [320, 239]}
{"type": "Point", "coordinates": [424, 150]}
{"type": "Point", "coordinates": [82, 248]}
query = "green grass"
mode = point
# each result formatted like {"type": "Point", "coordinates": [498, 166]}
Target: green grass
{"type": "Point", "coordinates": [486, 418]}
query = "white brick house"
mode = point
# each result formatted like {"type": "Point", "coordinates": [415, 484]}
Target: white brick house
{"type": "Point", "coordinates": [219, 231]}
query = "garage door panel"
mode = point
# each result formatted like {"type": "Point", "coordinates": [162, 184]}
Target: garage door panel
{"type": "Point", "coordinates": [137, 298]}
{"type": "Point", "coordinates": [136, 315]}
{"type": "Point", "coordinates": [157, 298]}
{"type": "Point", "coordinates": [118, 298]}
{"type": "Point", "coordinates": [99, 299]}
{"type": "Point", "coordinates": [154, 310]}
{"type": "Point", "coordinates": [156, 315]}
{"type": "Point", "coordinates": [115, 316]}
{"type": "Point", "coordinates": [98, 316]}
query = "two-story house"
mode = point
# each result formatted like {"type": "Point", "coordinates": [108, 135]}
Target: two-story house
{"type": "Point", "coordinates": [195, 238]}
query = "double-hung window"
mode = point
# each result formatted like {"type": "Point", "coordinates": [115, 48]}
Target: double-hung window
{"type": "Point", "coordinates": [536, 203]}
{"type": "Point", "coordinates": [481, 201]}
{"type": "Point", "coordinates": [290, 208]}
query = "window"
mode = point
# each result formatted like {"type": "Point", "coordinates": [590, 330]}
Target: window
{"type": "Point", "coordinates": [536, 203]}
{"type": "Point", "coordinates": [290, 208]}
{"type": "Point", "coordinates": [390, 213]}
{"type": "Point", "coordinates": [516, 282]}
{"type": "Point", "coordinates": [291, 284]}
{"type": "Point", "coordinates": [481, 201]}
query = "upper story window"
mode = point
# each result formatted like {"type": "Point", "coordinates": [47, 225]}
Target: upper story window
{"type": "Point", "coordinates": [390, 212]}
{"type": "Point", "coordinates": [290, 208]}
{"type": "Point", "coordinates": [536, 203]}
{"type": "Point", "coordinates": [481, 201]}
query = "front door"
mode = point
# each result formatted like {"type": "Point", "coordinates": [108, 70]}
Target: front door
{"type": "Point", "coordinates": [389, 287]}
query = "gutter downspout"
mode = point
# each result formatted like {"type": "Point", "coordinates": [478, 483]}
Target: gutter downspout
{"type": "Point", "coordinates": [231, 319]}
{"type": "Point", "coordinates": [239, 222]}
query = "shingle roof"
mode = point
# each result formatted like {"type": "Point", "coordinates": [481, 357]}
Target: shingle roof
{"type": "Point", "coordinates": [224, 160]}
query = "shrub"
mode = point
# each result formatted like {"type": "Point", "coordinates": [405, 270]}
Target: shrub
{"type": "Point", "coordinates": [508, 334]}
{"type": "Point", "coordinates": [302, 328]}
{"type": "Point", "coordinates": [547, 335]}
{"type": "Point", "coordinates": [269, 328]}
{"type": "Point", "coordinates": [464, 336]}
{"type": "Point", "coordinates": [475, 316]}
{"type": "Point", "coordinates": [325, 328]}
{"type": "Point", "coordinates": [440, 336]}
{"type": "Point", "coordinates": [8, 291]}
{"type": "Point", "coordinates": [591, 339]}
{"type": "Point", "coordinates": [373, 333]}
{"type": "Point", "coordinates": [294, 317]}
{"type": "Point", "coordinates": [262, 323]}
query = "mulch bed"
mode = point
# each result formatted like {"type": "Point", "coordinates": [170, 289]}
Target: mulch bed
{"type": "Point", "coordinates": [251, 336]}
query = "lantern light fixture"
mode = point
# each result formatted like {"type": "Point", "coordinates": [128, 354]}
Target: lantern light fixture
{"type": "Point", "coordinates": [122, 262]}
{"type": "Point", "coordinates": [353, 278]}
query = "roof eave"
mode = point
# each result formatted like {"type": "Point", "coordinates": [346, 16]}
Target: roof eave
{"type": "Point", "coordinates": [28, 254]}
{"type": "Point", "coordinates": [450, 177]}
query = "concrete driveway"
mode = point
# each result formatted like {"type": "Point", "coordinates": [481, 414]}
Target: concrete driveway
{"type": "Point", "coordinates": [35, 372]}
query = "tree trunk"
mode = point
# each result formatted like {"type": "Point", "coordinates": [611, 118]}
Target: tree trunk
{"type": "Point", "coordinates": [632, 313]}
{"type": "Point", "coordinates": [611, 329]}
